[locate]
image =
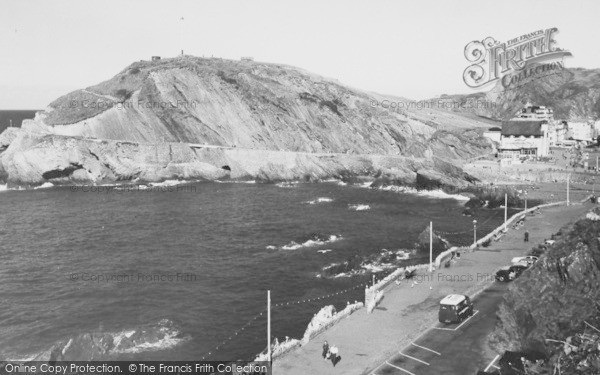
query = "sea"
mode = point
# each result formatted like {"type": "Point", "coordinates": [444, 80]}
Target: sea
{"type": "Point", "coordinates": [178, 271]}
{"type": "Point", "coordinates": [14, 117]}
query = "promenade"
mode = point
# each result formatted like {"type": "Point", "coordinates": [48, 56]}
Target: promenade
{"type": "Point", "coordinates": [365, 341]}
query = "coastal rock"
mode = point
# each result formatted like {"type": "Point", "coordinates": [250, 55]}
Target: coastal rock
{"type": "Point", "coordinates": [439, 244]}
{"type": "Point", "coordinates": [556, 296]}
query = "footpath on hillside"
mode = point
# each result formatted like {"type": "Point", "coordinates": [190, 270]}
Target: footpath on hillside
{"type": "Point", "coordinates": [366, 340]}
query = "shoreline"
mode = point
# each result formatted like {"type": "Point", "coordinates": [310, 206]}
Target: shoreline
{"type": "Point", "coordinates": [420, 297]}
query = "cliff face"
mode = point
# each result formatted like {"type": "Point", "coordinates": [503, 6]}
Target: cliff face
{"type": "Point", "coordinates": [573, 93]}
{"type": "Point", "coordinates": [154, 106]}
{"type": "Point", "coordinates": [554, 298]}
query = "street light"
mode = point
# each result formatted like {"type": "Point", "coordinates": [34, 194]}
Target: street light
{"type": "Point", "coordinates": [474, 232]}
{"type": "Point", "coordinates": [526, 200]}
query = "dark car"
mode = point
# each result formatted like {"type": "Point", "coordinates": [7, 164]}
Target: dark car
{"type": "Point", "coordinates": [454, 308]}
{"type": "Point", "coordinates": [510, 273]}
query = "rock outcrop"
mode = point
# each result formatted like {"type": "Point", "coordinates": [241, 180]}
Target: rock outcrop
{"type": "Point", "coordinates": [189, 117]}
{"type": "Point", "coordinates": [556, 296]}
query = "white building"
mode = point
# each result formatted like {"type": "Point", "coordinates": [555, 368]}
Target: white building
{"type": "Point", "coordinates": [493, 134]}
{"type": "Point", "coordinates": [557, 132]}
{"type": "Point", "coordinates": [533, 113]}
{"type": "Point", "coordinates": [580, 131]}
{"type": "Point", "coordinates": [524, 138]}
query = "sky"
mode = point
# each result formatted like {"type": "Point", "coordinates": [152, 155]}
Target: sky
{"type": "Point", "coordinates": [408, 48]}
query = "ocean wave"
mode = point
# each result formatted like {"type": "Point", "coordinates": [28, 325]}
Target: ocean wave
{"type": "Point", "coordinates": [16, 188]}
{"type": "Point", "coordinates": [320, 200]}
{"type": "Point", "coordinates": [440, 194]}
{"type": "Point", "coordinates": [236, 181]}
{"type": "Point", "coordinates": [315, 239]}
{"type": "Point", "coordinates": [359, 207]}
{"type": "Point", "coordinates": [84, 347]}
{"type": "Point", "coordinates": [290, 184]}
{"type": "Point", "coordinates": [160, 336]}
{"type": "Point", "coordinates": [324, 251]}
{"type": "Point", "coordinates": [45, 185]}
{"type": "Point", "coordinates": [358, 265]}
{"type": "Point", "coordinates": [169, 183]}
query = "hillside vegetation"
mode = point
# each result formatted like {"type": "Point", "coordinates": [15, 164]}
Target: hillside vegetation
{"type": "Point", "coordinates": [557, 301]}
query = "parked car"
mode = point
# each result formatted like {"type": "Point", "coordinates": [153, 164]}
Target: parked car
{"type": "Point", "coordinates": [510, 273]}
{"type": "Point", "coordinates": [529, 260]}
{"type": "Point", "coordinates": [455, 308]}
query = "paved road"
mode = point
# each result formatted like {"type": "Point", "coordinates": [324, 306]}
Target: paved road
{"type": "Point", "coordinates": [457, 349]}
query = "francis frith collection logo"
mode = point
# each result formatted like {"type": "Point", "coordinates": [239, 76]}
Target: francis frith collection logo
{"type": "Point", "coordinates": [514, 62]}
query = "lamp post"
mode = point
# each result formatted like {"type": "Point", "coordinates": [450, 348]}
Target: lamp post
{"type": "Point", "coordinates": [568, 183]}
{"type": "Point", "coordinates": [474, 232]}
{"type": "Point", "coordinates": [525, 200]}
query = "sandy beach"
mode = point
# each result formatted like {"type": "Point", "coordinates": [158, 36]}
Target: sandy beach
{"type": "Point", "coordinates": [409, 309]}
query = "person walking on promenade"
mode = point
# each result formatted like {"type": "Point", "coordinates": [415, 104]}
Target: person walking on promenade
{"type": "Point", "coordinates": [334, 355]}
{"type": "Point", "coordinates": [325, 350]}
{"type": "Point", "coordinates": [526, 237]}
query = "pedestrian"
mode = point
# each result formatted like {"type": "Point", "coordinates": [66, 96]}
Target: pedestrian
{"type": "Point", "coordinates": [325, 350]}
{"type": "Point", "coordinates": [526, 237]}
{"type": "Point", "coordinates": [334, 355]}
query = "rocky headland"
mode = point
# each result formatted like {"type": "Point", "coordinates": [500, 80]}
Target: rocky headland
{"type": "Point", "coordinates": [196, 118]}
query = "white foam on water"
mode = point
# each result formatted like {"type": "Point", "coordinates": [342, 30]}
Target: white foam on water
{"type": "Point", "coordinates": [235, 182]}
{"type": "Point", "coordinates": [67, 346]}
{"type": "Point", "coordinates": [45, 185]}
{"type": "Point", "coordinates": [170, 338]}
{"type": "Point", "coordinates": [168, 183]}
{"type": "Point", "coordinates": [117, 338]}
{"type": "Point", "coordinates": [402, 255]}
{"type": "Point", "coordinates": [325, 251]}
{"type": "Point", "coordinates": [27, 358]}
{"type": "Point", "coordinates": [166, 342]}
{"type": "Point", "coordinates": [359, 207]}
{"type": "Point", "coordinates": [6, 188]}
{"type": "Point", "coordinates": [320, 200]}
{"type": "Point", "coordinates": [291, 184]}
{"type": "Point", "coordinates": [311, 242]}
{"type": "Point", "coordinates": [440, 194]}
{"type": "Point", "coordinates": [343, 274]}
{"type": "Point", "coordinates": [373, 267]}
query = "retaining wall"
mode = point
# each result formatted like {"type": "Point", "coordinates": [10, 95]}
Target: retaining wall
{"type": "Point", "coordinates": [374, 293]}
{"type": "Point", "coordinates": [448, 254]}
{"type": "Point", "coordinates": [315, 328]}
